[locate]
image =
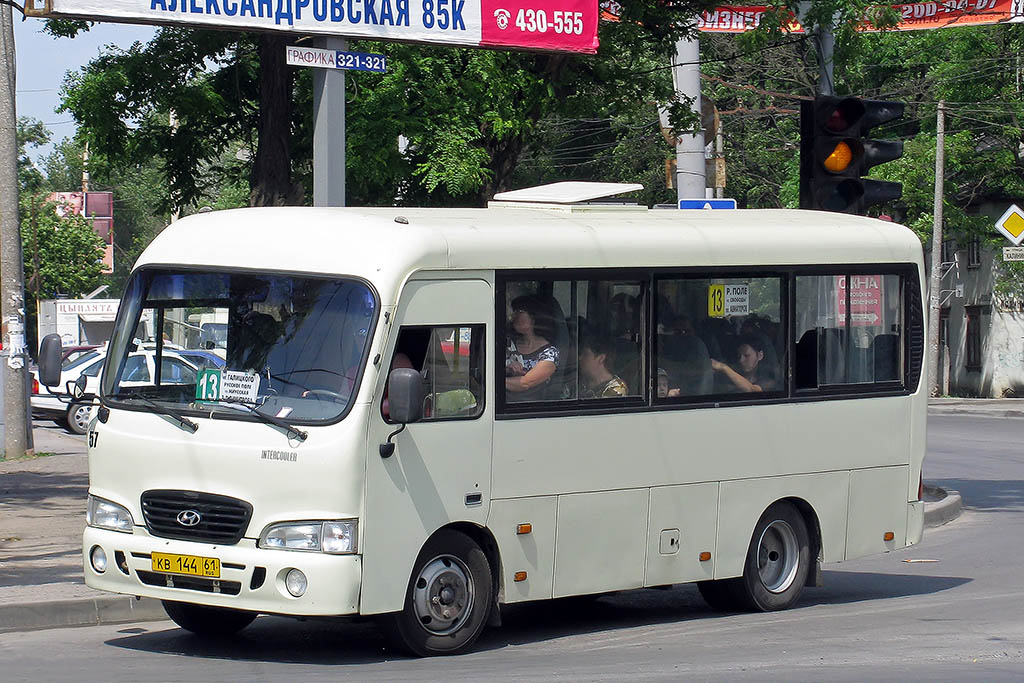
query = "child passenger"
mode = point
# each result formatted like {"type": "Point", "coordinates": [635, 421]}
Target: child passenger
{"type": "Point", "coordinates": [595, 357]}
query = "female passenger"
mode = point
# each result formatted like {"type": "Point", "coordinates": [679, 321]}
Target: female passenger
{"type": "Point", "coordinates": [530, 358]}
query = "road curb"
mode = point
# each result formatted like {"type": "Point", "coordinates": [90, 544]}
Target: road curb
{"type": "Point", "coordinates": [977, 412]}
{"type": "Point", "coordinates": [944, 509]}
{"type": "Point", "coordinates": [119, 609]}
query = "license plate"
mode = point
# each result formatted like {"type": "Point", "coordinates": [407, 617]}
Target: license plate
{"type": "Point", "coordinates": [186, 564]}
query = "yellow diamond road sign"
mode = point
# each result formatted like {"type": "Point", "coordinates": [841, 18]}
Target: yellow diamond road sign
{"type": "Point", "coordinates": [1011, 224]}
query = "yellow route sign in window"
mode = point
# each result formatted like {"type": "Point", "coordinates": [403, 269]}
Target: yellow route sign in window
{"type": "Point", "coordinates": [1011, 224]}
{"type": "Point", "coordinates": [716, 301]}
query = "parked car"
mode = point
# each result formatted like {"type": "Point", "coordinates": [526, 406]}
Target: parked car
{"type": "Point", "coordinates": [202, 359]}
{"type": "Point", "coordinates": [72, 353]}
{"type": "Point", "coordinates": [73, 414]}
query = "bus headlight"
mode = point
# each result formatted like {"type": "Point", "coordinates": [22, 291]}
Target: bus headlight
{"type": "Point", "coordinates": [103, 514]}
{"type": "Point", "coordinates": [335, 537]}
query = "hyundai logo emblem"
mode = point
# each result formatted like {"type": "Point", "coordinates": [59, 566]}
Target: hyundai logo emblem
{"type": "Point", "coordinates": [189, 517]}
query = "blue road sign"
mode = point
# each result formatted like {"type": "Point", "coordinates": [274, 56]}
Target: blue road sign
{"type": "Point", "coordinates": [707, 203]}
{"type": "Point", "coordinates": [361, 61]}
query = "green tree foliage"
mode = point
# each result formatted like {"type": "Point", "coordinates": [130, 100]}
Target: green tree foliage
{"type": "Point", "coordinates": [62, 254]}
{"type": "Point", "coordinates": [467, 115]}
{"type": "Point", "coordinates": [30, 133]}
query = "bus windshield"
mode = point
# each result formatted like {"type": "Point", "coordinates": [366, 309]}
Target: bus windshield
{"type": "Point", "coordinates": [290, 347]}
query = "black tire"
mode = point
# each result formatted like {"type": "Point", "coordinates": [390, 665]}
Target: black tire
{"type": "Point", "coordinates": [778, 560]}
{"type": "Point", "coordinates": [721, 595]}
{"type": "Point", "coordinates": [452, 568]}
{"type": "Point", "coordinates": [77, 417]}
{"type": "Point", "coordinates": [216, 622]}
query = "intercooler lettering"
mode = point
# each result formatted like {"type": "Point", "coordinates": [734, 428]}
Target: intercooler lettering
{"type": "Point", "coordinates": [287, 456]}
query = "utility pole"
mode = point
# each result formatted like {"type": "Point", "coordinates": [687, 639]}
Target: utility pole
{"type": "Point", "coordinates": [935, 278]}
{"type": "Point", "coordinates": [690, 181]}
{"type": "Point", "coordinates": [17, 435]}
{"type": "Point", "coordinates": [329, 130]}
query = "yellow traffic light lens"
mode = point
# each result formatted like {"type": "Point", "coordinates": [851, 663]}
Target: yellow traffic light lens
{"type": "Point", "coordinates": [840, 158]}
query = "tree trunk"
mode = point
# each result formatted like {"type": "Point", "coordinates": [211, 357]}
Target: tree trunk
{"type": "Point", "coordinates": [271, 181]}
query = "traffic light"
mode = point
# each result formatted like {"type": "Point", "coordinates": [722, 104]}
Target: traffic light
{"type": "Point", "coordinates": [835, 153]}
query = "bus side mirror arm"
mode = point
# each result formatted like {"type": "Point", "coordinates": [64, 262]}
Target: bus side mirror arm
{"type": "Point", "coordinates": [387, 449]}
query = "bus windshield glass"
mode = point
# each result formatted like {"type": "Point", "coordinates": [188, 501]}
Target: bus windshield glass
{"type": "Point", "coordinates": [287, 346]}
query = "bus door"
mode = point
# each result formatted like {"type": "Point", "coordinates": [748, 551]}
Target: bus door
{"type": "Point", "coordinates": [440, 470]}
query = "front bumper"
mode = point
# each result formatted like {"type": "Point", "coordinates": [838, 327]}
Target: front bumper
{"type": "Point", "coordinates": [333, 580]}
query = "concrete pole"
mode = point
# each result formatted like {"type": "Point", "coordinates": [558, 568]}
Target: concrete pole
{"type": "Point", "coordinates": [826, 43]}
{"type": "Point", "coordinates": [935, 277]}
{"type": "Point", "coordinates": [17, 434]}
{"type": "Point", "coordinates": [690, 181]}
{"type": "Point", "coordinates": [329, 130]}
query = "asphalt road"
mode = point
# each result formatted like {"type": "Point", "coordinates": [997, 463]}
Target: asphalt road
{"type": "Point", "coordinates": [955, 613]}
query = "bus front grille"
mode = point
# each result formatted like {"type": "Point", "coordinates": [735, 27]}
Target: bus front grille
{"type": "Point", "coordinates": [195, 516]}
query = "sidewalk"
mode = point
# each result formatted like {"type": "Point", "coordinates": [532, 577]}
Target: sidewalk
{"type": "Point", "coordinates": [42, 516]}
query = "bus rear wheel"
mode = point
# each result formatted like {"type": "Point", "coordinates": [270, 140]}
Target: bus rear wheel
{"type": "Point", "coordinates": [447, 602]}
{"type": "Point", "coordinates": [208, 621]}
{"type": "Point", "coordinates": [778, 560]}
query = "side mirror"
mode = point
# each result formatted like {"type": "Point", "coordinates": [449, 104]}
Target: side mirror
{"type": "Point", "coordinates": [49, 360]}
{"type": "Point", "coordinates": [210, 345]}
{"type": "Point", "coordinates": [79, 389]}
{"type": "Point", "coordinates": [405, 395]}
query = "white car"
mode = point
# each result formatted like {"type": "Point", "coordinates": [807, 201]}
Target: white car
{"type": "Point", "coordinates": [139, 371]}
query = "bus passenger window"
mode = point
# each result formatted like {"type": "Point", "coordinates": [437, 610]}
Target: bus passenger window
{"type": "Point", "coordinates": [848, 330]}
{"type": "Point", "coordinates": [718, 336]}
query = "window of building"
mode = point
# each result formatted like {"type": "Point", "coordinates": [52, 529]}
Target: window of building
{"type": "Point", "coordinates": [948, 251]}
{"type": "Point", "coordinates": [573, 341]}
{"type": "Point", "coordinates": [972, 344]}
{"type": "Point", "coordinates": [718, 336]}
{"type": "Point", "coordinates": [849, 330]}
{"type": "Point", "coordinates": [451, 361]}
{"type": "Point", "coordinates": [974, 253]}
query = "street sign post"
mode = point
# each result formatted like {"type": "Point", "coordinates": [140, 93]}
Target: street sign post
{"type": "Point", "coordinates": [707, 203]}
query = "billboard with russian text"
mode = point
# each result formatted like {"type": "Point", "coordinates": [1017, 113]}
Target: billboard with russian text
{"type": "Point", "coordinates": [546, 25]}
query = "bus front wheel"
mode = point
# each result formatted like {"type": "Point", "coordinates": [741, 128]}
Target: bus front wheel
{"type": "Point", "coordinates": [448, 598]}
{"type": "Point", "coordinates": [207, 621]}
{"type": "Point", "coordinates": [778, 560]}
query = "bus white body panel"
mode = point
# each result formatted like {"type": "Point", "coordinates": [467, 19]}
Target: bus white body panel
{"type": "Point", "coordinates": [614, 501]}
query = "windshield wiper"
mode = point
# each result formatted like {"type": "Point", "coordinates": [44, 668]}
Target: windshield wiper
{"type": "Point", "coordinates": [268, 419]}
{"type": "Point", "coordinates": [163, 410]}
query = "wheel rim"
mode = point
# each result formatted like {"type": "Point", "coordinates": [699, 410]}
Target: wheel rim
{"type": "Point", "coordinates": [443, 595]}
{"type": "Point", "coordinates": [80, 417]}
{"type": "Point", "coordinates": [778, 556]}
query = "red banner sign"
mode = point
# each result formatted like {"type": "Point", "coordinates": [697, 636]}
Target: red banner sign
{"type": "Point", "coordinates": [913, 16]}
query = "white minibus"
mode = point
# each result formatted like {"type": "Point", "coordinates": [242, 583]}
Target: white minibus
{"type": "Point", "coordinates": [426, 414]}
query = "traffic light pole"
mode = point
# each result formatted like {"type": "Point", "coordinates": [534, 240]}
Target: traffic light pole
{"type": "Point", "coordinates": [935, 278]}
{"type": "Point", "coordinates": [690, 181]}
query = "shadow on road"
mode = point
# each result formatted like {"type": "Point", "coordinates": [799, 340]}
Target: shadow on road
{"type": "Point", "coordinates": [341, 641]}
{"type": "Point", "coordinates": [988, 495]}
